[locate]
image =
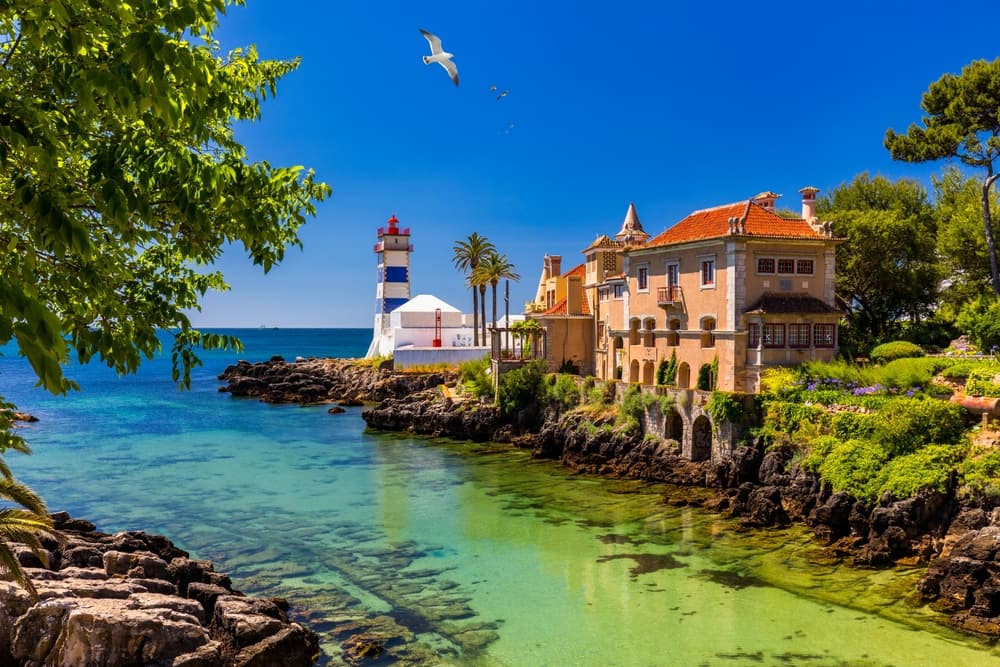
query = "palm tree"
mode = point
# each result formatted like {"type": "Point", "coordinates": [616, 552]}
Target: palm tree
{"type": "Point", "coordinates": [21, 524]}
{"type": "Point", "coordinates": [477, 282]}
{"type": "Point", "coordinates": [468, 255]}
{"type": "Point", "coordinates": [494, 268]}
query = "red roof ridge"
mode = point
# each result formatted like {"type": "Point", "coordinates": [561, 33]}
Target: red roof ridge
{"type": "Point", "coordinates": [720, 206]}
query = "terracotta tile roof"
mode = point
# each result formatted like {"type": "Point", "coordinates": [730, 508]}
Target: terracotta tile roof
{"type": "Point", "coordinates": [578, 270]}
{"type": "Point", "coordinates": [777, 304]}
{"type": "Point", "coordinates": [560, 308]}
{"type": "Point", "coordinates": [755, 220]}
{"type": "Point", "coordinates": [603, 241]}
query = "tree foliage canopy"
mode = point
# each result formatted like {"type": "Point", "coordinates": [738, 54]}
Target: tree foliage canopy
{"type": "Point", "coordinates": [121, 180]}
{"type": "Point", "coordinates": [886, 270]}
{"type": "Point", "coordinates": [962, 122]}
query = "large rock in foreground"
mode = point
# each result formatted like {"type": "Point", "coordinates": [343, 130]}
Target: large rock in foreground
{"type": "Point", "coordinates": [134, 599]}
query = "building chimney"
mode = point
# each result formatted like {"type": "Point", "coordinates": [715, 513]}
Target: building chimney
{"type": "Point", "coordinates": [574, 296]}
{"type": "Point", "coordinates": [555, 266]}
{"type": "Point", "coordinates": [766, 200]}
{"type": "Point", "coordinates": [809, 203]}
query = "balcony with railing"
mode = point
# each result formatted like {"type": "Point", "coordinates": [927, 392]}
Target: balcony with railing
{"type": "Point", "coordinates": [380, 246]}
{"type": "Point", "coordinates": [394, 231]}
{"type": "Point", "coordinates": [669, 295]}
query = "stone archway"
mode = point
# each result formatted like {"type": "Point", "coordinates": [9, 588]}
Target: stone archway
{"type": "Point", "coordinates": [633, 372]}
{"type": "Point", "coordinates": [648, 373]}
{"type": "Point", "coordinates": [683, 376]}
{"type": "Point", "coordinates": [701, 439]}
{"type": "Point", "coordinates": [673, 426]}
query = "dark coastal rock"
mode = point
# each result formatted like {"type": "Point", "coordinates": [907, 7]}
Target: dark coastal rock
{"type": "Point", "coordinates": [906, 528]}
{"type": "Point", "coordinates": [324, 380]}
{"type": "Point", "coordinates": [116, 601]}
{"type": "Point", "coordinates": [428, 413]}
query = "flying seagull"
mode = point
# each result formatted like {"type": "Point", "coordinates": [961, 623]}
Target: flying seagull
{"type": "Point", "coordinates": [503, 94]}
{"type": "Point", "coordinates": [440, 56]}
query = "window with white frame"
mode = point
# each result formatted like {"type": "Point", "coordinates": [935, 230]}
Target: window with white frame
{"type": "Point", "coordinates": [824, 335]}
{"type": "Point", "coordinates": [785, 266]}
{"type": "Point", "coordinates": [708, 272]}
{"type": "Point", "coordinates": [642, 277]}
{"type": "Point", "coordinates": [619, 290]}
{"type": "Point", "coordinates": [753, 335]}
{"type": "Point", "coordinates": [774, 335]}
{"type": "Point", "coordinates": [673, 274]}
{"type": "Point", "coordinates": [798, 335]}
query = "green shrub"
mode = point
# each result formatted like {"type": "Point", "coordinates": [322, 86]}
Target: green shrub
{"type": "Point", "coordinates": [666, 372]}
{"type": "Point", "coordinates": [568, 366]}
{"type": "Point", "coordinates": [980, 381]}
{"type": "Point", "coordinates": [779, 381]}
{"type": "Point", "coordinates": [981, 471]}
{"type": "Point", "coordinates": [930, 468]}
{"type": "Point", "coordinates": [724, 406]}
{"type": "Point", "coordinates": [634, 403]}
{"type": "Point", "coordinates": [936, 331]}
{"type": "Point", "coordinates": [839, 372]}
{"type": "Point", "coordinates": [853, 466]}
{"type": "Point", "coordinates": [852, 425]}
{"type": "Point", "coordinates": [706, 378]}
{"type": "Point", "coordinates": [564, 392]}
{"type": "Point", "coordinates": [907, 373]}
{"type": "Point", "coordinates": [632, 408]}
{"type": "Point", "coordinates": [818, 450]}
{"type": "Point", "coordinates": [959, 370]}
{"type": "Point", "coordinates": [475, 376]}
{"type": "Point", "coordinates": [521, 386]}
{"type": "Point", "coordinates": [826, 397]}
{"type": "Point", "coordinates": [904, 424]}
{"type": "Point", "coordinates": [784, 419]}
{"type": "Point", "coordinates": [980, 319]}
{"type": "Point", "coordinates": [897, 349]}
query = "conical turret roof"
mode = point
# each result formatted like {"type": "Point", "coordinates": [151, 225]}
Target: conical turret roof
{"type": "Point", "coordinates": [632, 232]}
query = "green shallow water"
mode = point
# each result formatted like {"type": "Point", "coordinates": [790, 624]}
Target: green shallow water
{"type": "Point", "coordinates": [466, 554]}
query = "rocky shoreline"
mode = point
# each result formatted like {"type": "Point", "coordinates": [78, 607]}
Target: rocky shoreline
{"type": "Point", "coordinates": [136, 599]}
{"type": "Point", "coordinates": [958, 539]}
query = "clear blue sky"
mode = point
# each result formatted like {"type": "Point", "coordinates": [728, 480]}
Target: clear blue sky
{"type": "Point", "coordinates": [673, 107]}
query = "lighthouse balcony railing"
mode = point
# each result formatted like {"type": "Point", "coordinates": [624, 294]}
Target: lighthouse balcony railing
{"type": "Point", "coordinates": [380, 246]}
{"type": "Point", "coordinates": [405, 231]}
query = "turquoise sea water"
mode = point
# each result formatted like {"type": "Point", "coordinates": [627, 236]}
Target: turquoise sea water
{"type": "Point", "coordinates": [474, 554]}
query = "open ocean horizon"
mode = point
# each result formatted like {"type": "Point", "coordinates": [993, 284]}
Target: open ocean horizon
{"type": "Point", "coordinates": [474, 554]}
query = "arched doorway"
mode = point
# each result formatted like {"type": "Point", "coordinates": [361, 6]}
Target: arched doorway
{"type": "Point", "coordinates": [647, 372]}
{"type": "Point", "coordinates": [683, 376]}
{"type": "Point", "coordinates": [701, 439]}
{"type": "Point", "coordinates": [673, 426]}
{"type": "Point", "coordinates": [619, 348]}
{"type": "Point", "coordinates": [633, 371]}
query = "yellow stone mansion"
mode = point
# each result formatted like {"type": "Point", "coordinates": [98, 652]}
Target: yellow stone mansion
{"type": "Point", "coordinates": [736, 288]}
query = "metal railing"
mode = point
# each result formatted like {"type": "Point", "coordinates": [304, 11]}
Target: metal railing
{"type": "Point", "coordinates": [668, 295]}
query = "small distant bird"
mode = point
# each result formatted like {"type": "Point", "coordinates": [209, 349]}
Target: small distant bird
{"type": "Point", "coordinates": [503, 94]}
{"type": "Point", "coordinates": [440, 56]}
